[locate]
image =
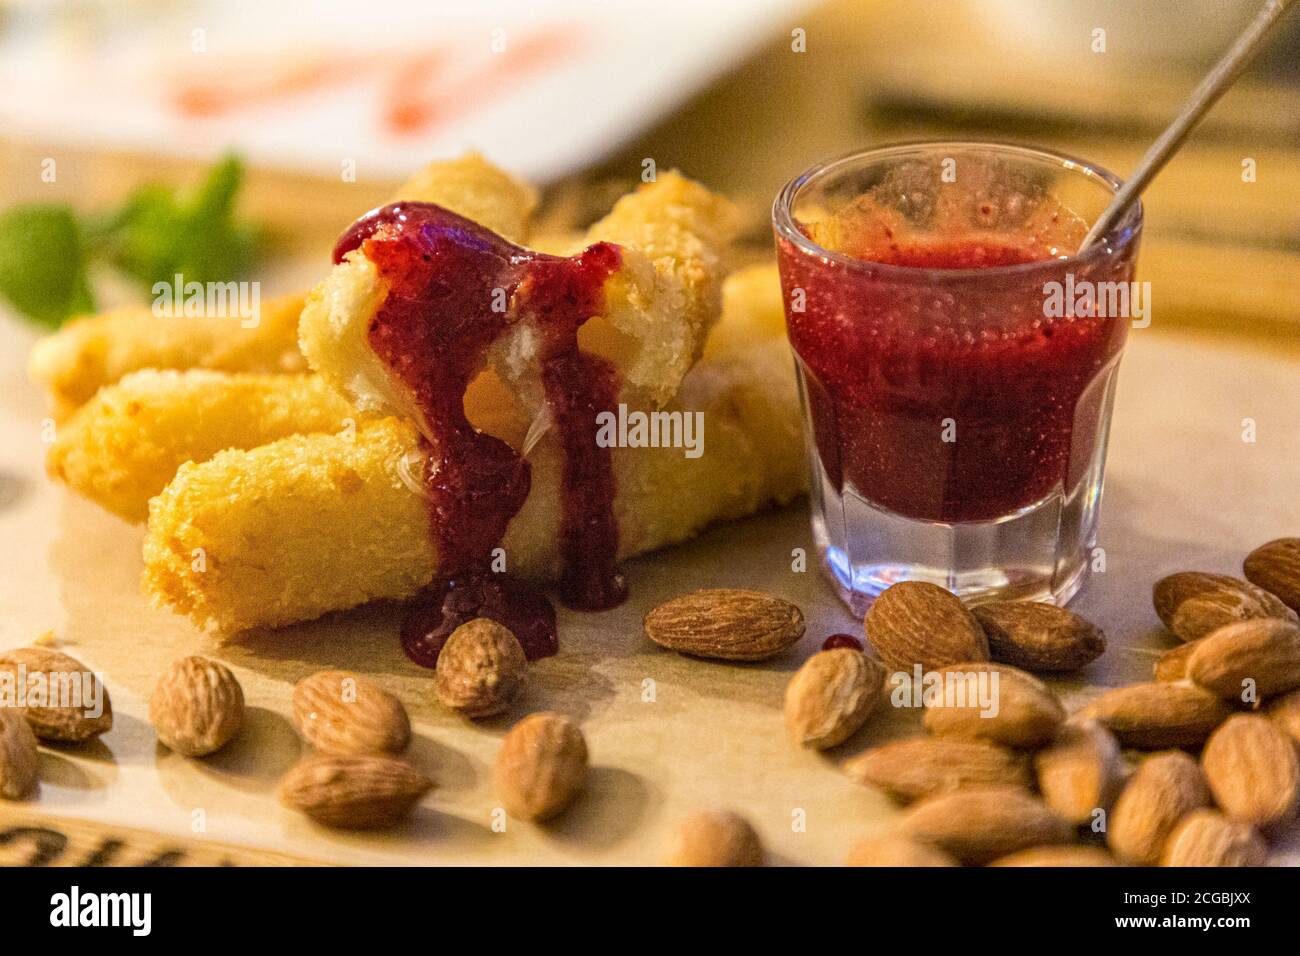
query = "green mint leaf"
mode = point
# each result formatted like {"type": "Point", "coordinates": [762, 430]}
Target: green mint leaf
{"type": "Point", "coordinates": [42, 263]}
{"type": "Point", "coordinates": [158, 235]}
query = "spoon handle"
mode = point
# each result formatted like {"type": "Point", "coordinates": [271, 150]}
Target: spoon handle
{"type": "Point", "coordinates": [1215, 83]}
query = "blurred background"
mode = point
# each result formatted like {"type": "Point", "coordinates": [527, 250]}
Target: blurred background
{"type": "Point", "coordinates": [331, 104]}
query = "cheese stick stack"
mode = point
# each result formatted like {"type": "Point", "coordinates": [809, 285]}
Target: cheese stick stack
{"type": "Point", "coordinates": [297, 495]}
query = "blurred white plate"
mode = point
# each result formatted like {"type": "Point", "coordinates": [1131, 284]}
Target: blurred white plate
{"type": "Point", "coordinates": [544, 88]}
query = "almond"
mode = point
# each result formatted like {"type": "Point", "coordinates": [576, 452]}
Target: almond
{"type": "Point", "coordinates": [1164, 788]}
{"type": "Point", "coordinates": [1193, 603]}
{"type": "Point", "coordinates": [18, 760]}
{"type": "Point", "coordinates": [1017, 709]}
{"type": "Point", "coordinates": [914, 622]}
{"type": "Point", "coordinates": [1208, 838]}
{"type": "Point", "coordinates": [919, 767]}
{"type": "Point", "coordinates": [197, 706]}
{"type": "Point", "coordinates": [979, 825]}
{"type": "Point", "coordinates": [1275, 567]}
{"type": "Point", "coordinates": [894, 850]}
{"type": "Point", "coordinates": [481, 669]}
{"type": "Point", "coordinates": [1172, 664]}
{"type": "Point", "coordinates": [342, 713]}
{"type": "Point", "coordinates": [1249, 660]}
{"type": "Point", "coordinates": [1153, 716]}
{"type": "Point", "coordinates": [831, 696]}
{"type": "Point", "coordinates": [354, 792]}
{"type": "Point", "coordinates": [1252, 771]}
{"type": "Point", "coordinates": [1070, 856]}
{"type": "Point", "coordinates": [1080, 772]}
{"type": "Point", "coordinates": [1038, 637]}
{"type": "Point", "coordinates": [541, 766]}
{"type": "Point", "coordinates": [726, 624]}
{"type": "Point", "coordinates": [715, 838]}
{"type": "Point", "coordinates": [65, 700]}
{"type": "Point", "coordinates": [1285, 712]}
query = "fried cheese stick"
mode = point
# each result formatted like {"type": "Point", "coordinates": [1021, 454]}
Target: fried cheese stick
{"type": "Point", "coordinates": [318, 523]}
{"type": "Point", "coordinates": [91, 352]}
{"type": "Point", "coordinates": [124, 445]}
{"type": "Point", "coordinates": [660, 304]}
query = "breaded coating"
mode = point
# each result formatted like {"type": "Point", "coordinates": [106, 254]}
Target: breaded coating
{"type": "Point", "coordinates": [676, 238]}
{"type": "Point", "coordinates": [333, 331]}
{"type": "Point", "coordinates": [89, 353]}
{"type": "Point", "coordinates": [290, 530]}
{"type": "Point", "coordinates": [474, 188]}
{"type": "Point", "coordinates": [317, 523]}
{"type": "Point", "coordinates": [752, 309]}
{"type": "Point", "coordinates": [95, 351]}
{"type": "Point", "coordinates": [124, 445]}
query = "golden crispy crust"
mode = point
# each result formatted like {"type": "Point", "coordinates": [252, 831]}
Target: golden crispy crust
{"type": "Point", "coordinates": [317, 523]}
{"type": "Point", "coordinates": [89, 353]}
{"type": "Point", "coordinates": [124, 445]}
{"type": "Point", "coordinates": [289, 530]}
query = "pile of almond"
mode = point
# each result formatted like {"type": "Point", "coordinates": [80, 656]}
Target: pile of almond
{"type": "Point", "coordinates": [1197, 767]}
{"type": "Point", "coordinates": [1025, 784]}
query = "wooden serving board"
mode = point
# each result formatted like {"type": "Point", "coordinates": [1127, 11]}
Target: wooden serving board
{"type": "Point", "coordinates": [667, 735]}
{"type": "Point", "coordinates": [28, 838]}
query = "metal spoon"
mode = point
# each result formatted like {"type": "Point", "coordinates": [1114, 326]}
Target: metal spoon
{"type": "Point", "coordinates": [1206, 94]}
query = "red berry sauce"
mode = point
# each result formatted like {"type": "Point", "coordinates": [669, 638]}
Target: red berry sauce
{"type": "Point", "coordinates": [841, 640]}
{"type": "Point", "coordinates": [445, 274]}
{"type": "Point", "coordinates": [887, 356]}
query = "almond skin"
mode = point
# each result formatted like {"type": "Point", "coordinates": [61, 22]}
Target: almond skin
{"type": "Point", "coordinates": [1265, 651]}
{"type": "Point", "coordinates": [1080, 772]}
{"type": "Point", "coordinates": [717, 839]}
{"type": "Point", "coordinates": [541, 766]}
{"type": "Point", "coordinates": [1155, 715]}
{"type": "Point", "coordinates": [1208, 838]}
{"type": "Point", "coordinates": [1275, 567]}
{"type": "Point", "coordinates": [197, 706]}
{"type": "Point", "coordinates": [1070, 856]}
{"type": "Point", "coordinates": [1194, 603]}
{"type": "Point", "coordinates": [1038, 637]}
{"type": "Point", "coordinates": [68, 724]}
{"type": "Point", "coordinates": [344, 714]}
{"type": "Point", "coordinates": [1253, 772]}
{"type": "Point", "coordinates": [481, 669]}
{"type": "Point", "coordinates": [894, 850]}
{"type": "Point", "coordinates": [831, 696]}
{"type": "Point", "coordinates": [726, 624]}
{"type": "Point", "coordinates": [1172, 664]}
{"type": "Point", "coordinates": [1027, 715]}
{"type": "Point", "coordinates": [1164, 788]}
{"type": "Point", "coordinates": [18, 757]}
{"type": "Point", "coordinates": [979, 825]}
{"type": "Point", "coordinates": [1285, 712]}
{"type": "Point", "coordinates": [355, 792]}
{"type": "Point", "coordinates": [918, 767]}
{"type": "Point", "coordinates": [914, 622]}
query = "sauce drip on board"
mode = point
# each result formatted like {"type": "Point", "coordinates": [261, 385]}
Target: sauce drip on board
{"type": "Point", "coordinates": [454, 288]}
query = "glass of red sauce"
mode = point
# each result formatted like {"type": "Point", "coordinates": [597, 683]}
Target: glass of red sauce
{"type": "Point", "coordinates": [957, 359]}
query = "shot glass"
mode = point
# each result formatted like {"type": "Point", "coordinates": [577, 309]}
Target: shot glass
{"type": "Point", "coordinates": [957, 363]}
